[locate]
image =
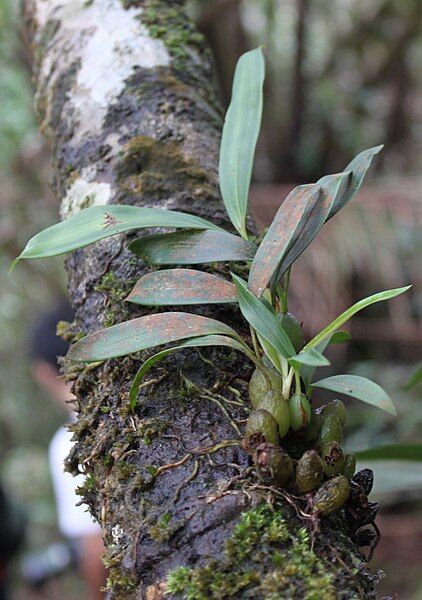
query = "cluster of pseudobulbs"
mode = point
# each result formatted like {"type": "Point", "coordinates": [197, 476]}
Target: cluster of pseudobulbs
{"type": "Point", "coordinates": [294, 445]}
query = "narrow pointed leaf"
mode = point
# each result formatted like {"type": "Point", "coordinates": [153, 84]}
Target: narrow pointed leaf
{"type": "Point", "coordinates": [240, 134]}
{"type": "Point", "coordinates": [311, 357]}
{"type": "Point", "coordinates": [98, 222]}
{"type": "Point", "coordinates": [307, 371]}
{"type": "Point", "coordinates": [330, 186]}
{"type": "Point", "coordinates": [282, 233]}
{"type": "Point", "coordinates": [192, 247]}
{"type": "Point", "coordinates": [392, 452]}
{"type": "Point", "coordinates": [360, 388]}
{"type": "Point", "coordinates": [358, 167]}
{"type": "Point", "coordinates": [173, 287]}
{"type": "Point", "coordinates": [347, 314]}
{"type": "Point", "coordinates": [271, 353]}
{"type": "Point", "coordinates": [207, 340]}
{"type": "Point", "coordinates": [145, 332]}
{"type": "Point", "coordinates": [262, 319]}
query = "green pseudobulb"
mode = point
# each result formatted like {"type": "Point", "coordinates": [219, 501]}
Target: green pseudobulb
{"type": "Point", "coordinates": [331, 430]}
{"type": "Point", "coordinates": [331, 495]}
{"type": "Point", "coordinates": [274, 402]}
{"type": "Point", "coordinates": [261, 423]}
{"type": "Point", "coordinates": [259, 384]}
{"type": "Point", "coordinates": [274, 466]}
{"type": "Point", "coordinates": [333, 459]}
{"type": "Point", "coordinates": [335, 408]}
{"type": "Point", "coordinates": [300, 411]}
{"type": "Point", "coordinates": [349, 465]}
{"type": "Point", "coordinates": [293, 329]}
{"type": "Point", "coordinates": [309, 471]}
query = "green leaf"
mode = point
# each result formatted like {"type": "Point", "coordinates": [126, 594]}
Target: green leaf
{"type": "Point", "coordinates": [207, 340]}
{"type": "Point", "coordinates": [311, 357]}
{"type": "Point", "coordinates": [340, 337]}
{"type": "Point", "coordinates": [347, 314]}
{"type": "Point", "coordinates": [307, 371]}
{"type": "Point", "coordinates": [414, 379]}
{"type": "Point", "coordinates": [284, 230]}
{"type": "Point", "coordinates": [360, 388]}
{"type": "Point", "coordinates": [98, 222]}
{"type": "Point", "coordinates": [296, 224]}
{"type": "Point", "coordinates": [392, 452]}
{"type": "Point", "coordinates": [181, 287]}
{"type": "Point", "coordinates": [262, 319]}
{"type": "Point", "coordinates": [240, 134]}
{"type": "Point", "coordinates": [192, 247]}
{"type": "Point", "coordinates": [330, 186]}
{"type": "Point", "coordinates": [271, 353]}
{"type": "Point", "coordinates": [145, 332]}
{"type": "Point", "coordinates": [358, 167]}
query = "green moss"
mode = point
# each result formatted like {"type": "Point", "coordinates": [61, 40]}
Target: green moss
{"type": "Point", "coordinates": [209, 582]}
{"type": "Point", "coordinates": [150, 167]}
{"type": "Point", "coordinates": [126, 470]}
{"type": "Point", "coordinates": [262, 557]}
{"type": "Point", "coordinates": [256, 527]}
{"type": "Point", "coordinates": [162, 530]}
{"type": "Point", "coordinates": [171, 25]}
{"type": "Point", "coordinates": [150, 428]}
{"type": "Point", "coordinates": [69, 332]}
{"type": "Point", "coordinates": [116, 291]}
{"type": "Point", "coordinates": [120, 582]}
{"type": "Point", "coordinates": [88, 485]}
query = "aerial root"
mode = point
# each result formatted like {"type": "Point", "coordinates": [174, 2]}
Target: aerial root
{"type": "Point", "coordinates": [169, 466]}
{"type": "Point", "coordinates": [222, 408]}
{"type": "Point", "coordinates": [188, 479]}
{"type": "Point", "coordinates": [197, 451]}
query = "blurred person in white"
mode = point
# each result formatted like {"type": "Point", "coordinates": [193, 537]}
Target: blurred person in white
{"type": "Point", "coordinates": [75, 522]}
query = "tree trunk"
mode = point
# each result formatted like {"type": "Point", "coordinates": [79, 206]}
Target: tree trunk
{"type": "Point", "coordinates": [125, 96]}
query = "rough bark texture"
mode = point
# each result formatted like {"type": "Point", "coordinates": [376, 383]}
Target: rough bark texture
{"type": "Point", "coordinates": [125, 94]}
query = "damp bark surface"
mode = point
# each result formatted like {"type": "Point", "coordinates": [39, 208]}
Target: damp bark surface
{"type": "Point", "coordinates": [126, 98]}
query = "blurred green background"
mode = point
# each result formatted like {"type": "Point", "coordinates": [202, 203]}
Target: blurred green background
{"type": "Point", "coordinates": [341, 77]}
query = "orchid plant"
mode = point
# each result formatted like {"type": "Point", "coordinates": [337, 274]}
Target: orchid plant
{"type": "Point", "coordinates": [275, 340]}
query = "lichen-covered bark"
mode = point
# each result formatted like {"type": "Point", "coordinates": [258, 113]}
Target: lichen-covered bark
{"type": "Point", "coordinates": [125, 94]}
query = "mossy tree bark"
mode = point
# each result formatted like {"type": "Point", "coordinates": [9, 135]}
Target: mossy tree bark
{"type": "Point", "coordinates": [124, 90]}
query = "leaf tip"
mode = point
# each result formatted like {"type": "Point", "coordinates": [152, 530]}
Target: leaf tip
{"type": "Point", "coordinates": [14, 263]}
{"type": "Point", "coordinates": [392, 409]}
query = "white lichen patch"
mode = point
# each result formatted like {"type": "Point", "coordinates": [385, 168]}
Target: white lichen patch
{"type": "Point", "coordinates": [117, 534]}
{"type": "Point", "coordinates": [82, 194]}
{"type": "Point", "coordinates": [106, 43]}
